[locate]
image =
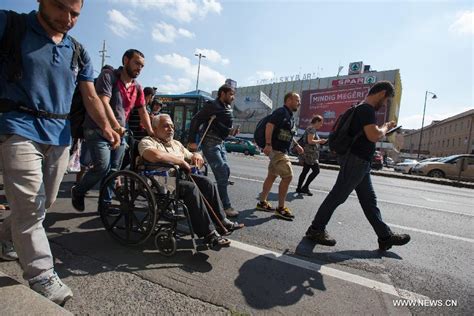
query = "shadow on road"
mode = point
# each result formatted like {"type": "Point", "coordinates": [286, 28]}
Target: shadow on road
{"type": "Point", "coordinates": [266, 283]}
{"type": "Point", "coordinates": [94, 242]}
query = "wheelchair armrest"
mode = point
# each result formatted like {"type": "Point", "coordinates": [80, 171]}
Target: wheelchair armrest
{"type": "Point", "coordinates": [152, 165]}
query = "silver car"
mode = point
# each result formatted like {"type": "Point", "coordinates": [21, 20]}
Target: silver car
{"type": "Point", "coordinates": [453, 167]}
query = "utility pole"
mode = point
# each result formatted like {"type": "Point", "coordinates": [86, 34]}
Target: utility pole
{"type": "Point", "coordinates": [103, 54]}
{"type": "Point", "coordinates": [199, 68]}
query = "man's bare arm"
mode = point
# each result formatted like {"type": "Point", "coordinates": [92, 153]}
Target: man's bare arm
{"type": "Point", "coordinates": [96, 111]}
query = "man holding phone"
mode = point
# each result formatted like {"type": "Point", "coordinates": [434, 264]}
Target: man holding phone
{"type": "Point", "coordinates": [354, 173]}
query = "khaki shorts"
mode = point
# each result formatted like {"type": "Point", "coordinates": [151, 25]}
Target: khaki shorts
{"type": "Point", "coordinates": [280, 164]}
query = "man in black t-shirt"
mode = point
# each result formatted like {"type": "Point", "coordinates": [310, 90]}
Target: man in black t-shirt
{"type": "Point", "coordinates": [279, 133]}
{"type": "Point", "coordinates": [354, 172]}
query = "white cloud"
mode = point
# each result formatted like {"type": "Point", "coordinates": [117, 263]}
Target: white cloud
{"type": "Point", "coordinates": [174, 60]}
{"type": "Point", "coordinates": [212, 56]}
{"type": "Point", "coordinates": [209, 78]}
{"type": "Point", "coordinates": [119, 24]}
{"type": "Point", "coordinates": [180, 10]}
{"type": "Point", "coordinates": [464, 23]}
{"type": "Point", "coordinates": [175, 86]}
{"type": "Point", "coordinates": [167, 33]}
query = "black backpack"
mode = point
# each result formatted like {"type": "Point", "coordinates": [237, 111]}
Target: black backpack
{"type": "Point", "coordinates": [259, 134]}
{"type": "Point", "coordinates": [339, 139]}
{"type": "Point", "coordinates": [10, 57]}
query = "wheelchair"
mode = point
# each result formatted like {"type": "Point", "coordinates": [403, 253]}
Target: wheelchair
{"type": "Point", "coordinates": [138, 201]}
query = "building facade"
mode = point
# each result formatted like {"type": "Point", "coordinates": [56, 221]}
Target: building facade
{"type": "Point", "coordinates": [451, 136]}
{"type": "Point", "coordinates": [328, 97]}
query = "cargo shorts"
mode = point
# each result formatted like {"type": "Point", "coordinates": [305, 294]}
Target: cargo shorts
{"type": "Point", "coordinates": [280, 164]}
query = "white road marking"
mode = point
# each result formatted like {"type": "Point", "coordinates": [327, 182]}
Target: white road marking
{"type": "Point", "coordinates": [432, 233]}
{"type": "Point", "coordinates": [379, 200]}
{"type": "Point", "coordinates": [338, 274]}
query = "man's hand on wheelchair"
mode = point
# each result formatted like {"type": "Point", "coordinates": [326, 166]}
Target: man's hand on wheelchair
{"type": "Point", "coordinates": [197, 160]}
{"type": "Point", "coordinates": [184, 166]}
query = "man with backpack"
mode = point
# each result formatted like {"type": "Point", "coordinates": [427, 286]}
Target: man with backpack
{"type": "Point", "coordinates": [279, 132]}
{"type": "Point", "coordinates": [40, 65]}
{"type": "Point", "coordinates": [217, 118]}
{"type": "Point", "coordinates": [354, 173]}
{"type": "Point", "coordinates": [120, 93]}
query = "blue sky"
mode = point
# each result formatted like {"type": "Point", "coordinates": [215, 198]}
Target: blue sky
{"type": "Point", "coordinates": [431, 42]}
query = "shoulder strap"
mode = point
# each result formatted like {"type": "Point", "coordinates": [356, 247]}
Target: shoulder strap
{"type": "Point", "coordinates": [77, 61]}
{"type": "Point", "coordinates": [10, 44]}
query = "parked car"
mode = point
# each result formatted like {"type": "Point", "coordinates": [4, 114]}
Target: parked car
{"type": "Point", "coordinates": [405, 166]}
{"type": "Point", "coordinates": [452, 167]}
{"type": "Point", "coordinates": [235, 144]}
{"type": "Point", "coordinates": [389, 162]}
{"type": "Point", "coordinates": [377, 161]}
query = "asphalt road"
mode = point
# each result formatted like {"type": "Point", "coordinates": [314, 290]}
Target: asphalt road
{"type": "Point", "coordinates": [437, 263]}
{"type": "Point", "coordinates": [270, 268]}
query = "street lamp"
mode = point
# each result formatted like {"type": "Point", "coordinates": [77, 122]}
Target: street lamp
{"type": "Point", "coordinates": [199, 67]}
{"type": "Point", "coordinates": [423, 119]}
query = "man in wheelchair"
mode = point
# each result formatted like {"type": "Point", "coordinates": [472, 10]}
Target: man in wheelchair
{"type": "Point", "coordinates": [199, 194]}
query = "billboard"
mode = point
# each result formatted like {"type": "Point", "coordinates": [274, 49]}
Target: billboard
{"type": "Point", "coordinates": [332, 102]}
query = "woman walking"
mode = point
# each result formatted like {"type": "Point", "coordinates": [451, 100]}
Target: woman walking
{"type": "Point", "coordinates": [310, 155]}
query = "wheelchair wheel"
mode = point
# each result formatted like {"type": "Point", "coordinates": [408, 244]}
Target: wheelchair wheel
{"type": "Point", "coordinates": [130, 215]}
{"type": "Point", "coordinates": [165, 242]}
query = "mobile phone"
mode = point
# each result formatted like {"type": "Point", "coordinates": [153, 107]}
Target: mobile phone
{"type": "Point", "coordinates": [393, 130]}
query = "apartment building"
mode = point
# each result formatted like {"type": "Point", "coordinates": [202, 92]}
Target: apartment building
{"type": "Point", "coordinates": [454, 135]}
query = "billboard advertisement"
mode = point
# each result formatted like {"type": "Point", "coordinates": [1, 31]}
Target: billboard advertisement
{"type": "Point", "coordinates": [332, 102]}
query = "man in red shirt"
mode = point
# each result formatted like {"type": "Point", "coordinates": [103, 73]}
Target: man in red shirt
{"type": "Point", "coordinates": [120, 93]}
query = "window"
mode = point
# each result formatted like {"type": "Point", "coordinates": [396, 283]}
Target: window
{"type": "Point", "coordinates": [459, 141]}
{"type": "Point", "coordinates": [447, 143]}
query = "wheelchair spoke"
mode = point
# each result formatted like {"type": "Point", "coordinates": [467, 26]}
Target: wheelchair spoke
{"type": "Point", "coordinates": [116, 220]}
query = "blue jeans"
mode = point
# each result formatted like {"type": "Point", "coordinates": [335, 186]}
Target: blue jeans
{"type": "Point", "coordinates": [216, 157]}
{"type": "Point", "coordinates": [354, 174]}
{"type": "Point", "coordinates": [104, 160]}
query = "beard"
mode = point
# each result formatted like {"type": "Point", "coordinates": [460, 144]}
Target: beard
{"type": "Point", "coordinates": [55, 26]}
{"type": "Point", "coordinates": [130, 72]}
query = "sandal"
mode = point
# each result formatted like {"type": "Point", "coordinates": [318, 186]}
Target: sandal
{"type": "Point", "coordinates": [234, 226]}
{"type": "Point", "coordinates": [215, 240]}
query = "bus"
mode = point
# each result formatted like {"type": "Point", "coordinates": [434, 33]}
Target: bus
{"type": "Point", "coordinates": [182, 108]}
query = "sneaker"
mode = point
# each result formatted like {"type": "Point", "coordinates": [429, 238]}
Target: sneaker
{"type": "Point", "coordinates": [230, 212]}
{"type": "Point", "coordinates": [264, 206]}
{"type": "Point", "coordinates": [53, 289]}
{"type": "Point", "coordinates": [394, 240]}
{"type": "Point", "coordinates": [320, 237]}
{"type": "Point", "coordinates": [284, 213]}
{"type": "Point", "coordinates": [77, 200]}
{"type": "Point", "coordinates": [299, 190]}
{"type": "Point", "coordinates": [8, 252]}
